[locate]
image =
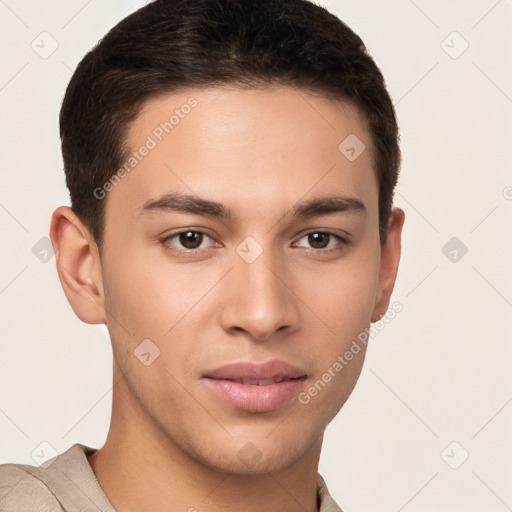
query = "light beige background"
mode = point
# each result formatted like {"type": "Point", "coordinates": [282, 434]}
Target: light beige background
{"type": "Point", "coordinates": [439, 372]}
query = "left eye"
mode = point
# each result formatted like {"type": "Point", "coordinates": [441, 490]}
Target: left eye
{"type": "Point", "coordinates": [320, 239]}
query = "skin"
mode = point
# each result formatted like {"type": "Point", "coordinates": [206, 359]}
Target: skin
{"type": "Point", "coordinates": [260, 152]}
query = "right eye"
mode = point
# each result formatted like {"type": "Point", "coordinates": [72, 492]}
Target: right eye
{"type": "Point", "coordinates": [190, 240]}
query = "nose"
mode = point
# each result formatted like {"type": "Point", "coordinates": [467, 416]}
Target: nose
{"type": "Point", "coordinates": [260, 299]}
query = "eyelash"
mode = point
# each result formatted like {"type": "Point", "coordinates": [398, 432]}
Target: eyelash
{"type": "Point", "coordinates": [165, 241]}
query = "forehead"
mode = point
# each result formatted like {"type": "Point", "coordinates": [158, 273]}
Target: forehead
{"type": "Point", "coordinates": [256, 110]}
{"type": "Point", "coordinates": [242, 146]}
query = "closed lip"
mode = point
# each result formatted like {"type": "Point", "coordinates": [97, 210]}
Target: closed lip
{"type": "Point", "coordinates": [249, 372]}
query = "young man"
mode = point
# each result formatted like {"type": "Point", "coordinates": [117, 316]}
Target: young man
{"type": "Point", "coordinates": [231, 165]}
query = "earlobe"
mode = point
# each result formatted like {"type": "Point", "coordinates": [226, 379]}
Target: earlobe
{"type": "Point", "coordinates": [78, 265]}
{"type": "Point", "coordinates": [390, 258]}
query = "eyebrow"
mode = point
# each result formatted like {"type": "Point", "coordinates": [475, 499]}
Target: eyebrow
{"type": "Point", "coordinates": [187, 203]}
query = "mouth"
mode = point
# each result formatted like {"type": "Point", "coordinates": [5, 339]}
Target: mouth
{"type": "Point", "coordinates": [256, 387]}
{"type": "Point", "coordinates": [261, 382]}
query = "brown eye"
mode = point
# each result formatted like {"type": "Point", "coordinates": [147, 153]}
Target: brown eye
{"type": "Point", "coordinates": [189, 240]}
{"type": "Point", "coordinates": [319, 240]}
{"type": "Point", "coordinates": [323, 240]}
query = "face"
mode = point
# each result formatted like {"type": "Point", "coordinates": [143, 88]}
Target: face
{"type": "Point", "coordinates": [243, 247]}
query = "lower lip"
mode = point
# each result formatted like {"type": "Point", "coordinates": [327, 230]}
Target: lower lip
{"type": "Point", "coordinates": [253, 398]}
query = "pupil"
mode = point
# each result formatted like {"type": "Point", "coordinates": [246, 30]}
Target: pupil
{"type": "Point", "coordinates": [191, 239]}
{"type": "Point", "coordinates": [315, 239]}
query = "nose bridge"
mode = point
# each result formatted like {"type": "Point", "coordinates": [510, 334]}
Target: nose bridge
{"type": "Point", "coordinates": [260, 301]}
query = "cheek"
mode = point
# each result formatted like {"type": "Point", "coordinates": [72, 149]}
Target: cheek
{"type": "Point", "coordinates": [148, 301]}
{"type": "Point", "coordinates": [150, 295]}
{"type": "Point", "coordinates": [167, 304]}
{"type": "Point", "coordinates": [343, 296]}
{"type": "Point", "coordinates": [343, 301]}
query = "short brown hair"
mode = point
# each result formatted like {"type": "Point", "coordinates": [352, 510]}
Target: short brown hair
{"type": "Point", "coordinates": [171, 44]}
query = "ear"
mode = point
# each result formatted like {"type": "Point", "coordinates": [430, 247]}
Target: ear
{"type": "Point", "coordinates": [389, 259]}
{"type": "Point", "coordinates": [78, 265]}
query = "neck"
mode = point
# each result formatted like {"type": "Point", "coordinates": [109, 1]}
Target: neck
{"type": "Point", "coordinates": [138, 452]}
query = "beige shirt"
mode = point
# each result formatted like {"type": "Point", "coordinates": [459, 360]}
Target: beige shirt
{"type": "Point", "coordinates": [68, 484]}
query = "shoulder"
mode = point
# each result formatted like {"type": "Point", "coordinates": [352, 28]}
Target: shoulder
{"type": "Point", "coordinates": [21, 490]}
{"type": "Point", "coordinates": [326, 502]}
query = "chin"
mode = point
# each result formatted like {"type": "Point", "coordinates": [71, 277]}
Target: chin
{"type": "Point", "coordinates": [262, 456]}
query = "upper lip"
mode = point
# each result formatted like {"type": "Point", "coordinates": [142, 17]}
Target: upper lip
{"type": "Point", "coordinates": [274, 369]}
